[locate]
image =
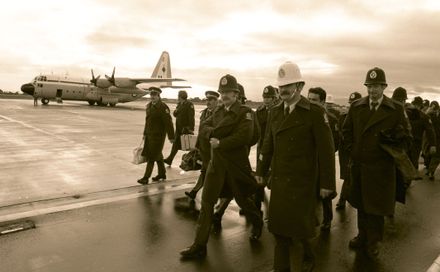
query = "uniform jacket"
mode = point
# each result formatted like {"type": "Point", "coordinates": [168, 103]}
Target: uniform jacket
{"type": "Point", "coordinates": [262, 113]}
{"type": "Point", "coordinates": [373, 170]}
{"type": "Point", "coordinates": [158, 124]}
{"type": "Point", "coordinates": [203, 142]}
{"type": "Point", "coordinates": [234, 130]}
{"type": "Point", "coordinates": [299, 150]}
{"type": "Point", "coordinates": [184, 114]}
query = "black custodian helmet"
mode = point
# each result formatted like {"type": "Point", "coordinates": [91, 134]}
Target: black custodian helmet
{"type": "Point", "coordinates": [375, 76]}
{"type": "Point", "coordinates": [228, 83]}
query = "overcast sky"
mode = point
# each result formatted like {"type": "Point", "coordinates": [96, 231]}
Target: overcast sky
{"type": "Point", "coordinates": [333, 44]}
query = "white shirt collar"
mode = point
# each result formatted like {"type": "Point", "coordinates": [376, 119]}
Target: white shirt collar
{"type": "Point", "coordinates": [291, 106]}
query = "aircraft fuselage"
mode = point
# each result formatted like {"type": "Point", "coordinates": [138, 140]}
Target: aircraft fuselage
{"type": "Point", "coordinates": [50, 87]}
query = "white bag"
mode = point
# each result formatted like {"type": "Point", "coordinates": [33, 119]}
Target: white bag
{"type": "Point", "coordinates": [137, 155]}
{"type": "Point", "coordinates": [188, 142]}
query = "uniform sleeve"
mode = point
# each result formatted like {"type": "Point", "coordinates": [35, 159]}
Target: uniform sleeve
{"type": "Point", "coordinates": [206, 127]}
{"type": "Point", "coordinates": [242, 135]}
{"type": "Point", "coordinates": [168, 123]}
{"type": "Point", "coordinates": [265, 157]}
{"type": "Point", "coordinates": [191, 114]}
{"type": "Point", "coordinates": [326, 151]}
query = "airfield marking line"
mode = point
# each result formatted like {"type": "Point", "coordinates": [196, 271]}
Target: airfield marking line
{"type": "Point", "coordinates": [34, 128]}
{"type": "Point", "coordinates": [88, 203]}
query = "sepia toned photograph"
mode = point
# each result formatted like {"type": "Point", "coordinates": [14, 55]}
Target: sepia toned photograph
{"type": "Point", "coordinates": [194, 135]}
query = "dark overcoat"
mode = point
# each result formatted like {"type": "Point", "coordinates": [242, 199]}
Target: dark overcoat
{"type": "Point", "coordinates": [373, 171]}
{"type": "Point", "coordinates": [184, 114]}
{"type": "Point", "coordinates": [299, 150]}
{"type": "Point", "coordinates": [233, 128]}
{"type": "Point", "coordinates": [158, 125]}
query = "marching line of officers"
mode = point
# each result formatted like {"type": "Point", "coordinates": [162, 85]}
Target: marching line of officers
{"type": "Point", "coordinates": [297, 138]}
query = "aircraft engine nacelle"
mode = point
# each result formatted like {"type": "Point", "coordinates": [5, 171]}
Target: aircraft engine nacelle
{"type": "Point", "coordinates": [103, 83]}
{"type": "Point", "coordinates": [122, 82]}
{"type": "Point", "coordinates": [109, 99]}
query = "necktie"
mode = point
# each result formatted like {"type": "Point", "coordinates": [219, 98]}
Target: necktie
{"type": "Point", "coordinates": [286, 111]}
{"type": "Point", "coordinates": [374, 106]}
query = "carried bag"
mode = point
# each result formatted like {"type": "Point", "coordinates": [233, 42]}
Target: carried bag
{"type": "Point", "coordinates": [137, 154]}
{"type": "Point", "coordinates": [191, 161]}
{"type": "Point", "coordinates": [188, 142]}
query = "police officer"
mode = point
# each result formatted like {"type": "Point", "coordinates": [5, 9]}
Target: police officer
{"type": "Point", "coordinates": [433, 156]}
{"type": "Point", "coordinates": [318, 96]}
{"type": "Point", "coordinates": [158, 125]}
{"type": "Point", "coordinates": [203, 144]}
{"type": "Point", "coordinates": [184, 114]}
{"type": "Point", "coordinates": [298, 147]}
{"type": "Point", "coordinates": [373, 171]}
{"type": "Point", "coordinates": [344, 156]}
{"type": "Point", "coordinates": [229, 131]}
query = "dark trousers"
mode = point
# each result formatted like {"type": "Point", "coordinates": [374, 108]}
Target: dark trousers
{"type": "Point", "coordinates": [290, 253]}
{"type": "Point", "coordinates": [200, 180]}
{"type": "Point", "coordinates": [213, 185]}
{"type": "Point", "coordinates": [327, 210]}
{"type": "Point", "coordinates": [414, 153]}
{"type": "Point", "coordinates": [160, 168]}
{"type": "Point", "coordinates": [176, 146]}
{"type": "Point", "coordinates": [370, 226]}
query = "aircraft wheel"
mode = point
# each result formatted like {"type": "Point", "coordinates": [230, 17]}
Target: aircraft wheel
{"type": "Point", "coordinates": [45, 101]}
{"type": "Point", "coordinates": [91, 103]}
{"type": "Point", "coordinates": [112, 104]}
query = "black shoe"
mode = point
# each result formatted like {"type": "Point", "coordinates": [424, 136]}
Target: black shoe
{"type": "Point", "coordinates": [168, 161]}
{"type": "Point", "coordinates": [326, 226]}
{"type": "Point", "coordinates": [357, 242]}
{"type": "Point", "coordinates": [257, 229]}
{"type": "Point", "coordinates": [159, 178]}
{"type": "Point", "coordinates": [143, 181]}
{"type": "Point", "coordinates": [194, 252]}
{"type": "Point", "coordinates": [191, 194]}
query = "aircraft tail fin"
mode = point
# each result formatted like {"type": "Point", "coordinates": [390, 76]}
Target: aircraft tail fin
{"type": "Point", "coordinates": [163, 67]}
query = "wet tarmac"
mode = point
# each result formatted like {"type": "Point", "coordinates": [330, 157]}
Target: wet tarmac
{"type": "Point", "coordinates": [52, 154]}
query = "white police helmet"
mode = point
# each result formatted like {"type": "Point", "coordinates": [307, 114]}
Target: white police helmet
{"type": "Point", "coordinates": [289, 73]}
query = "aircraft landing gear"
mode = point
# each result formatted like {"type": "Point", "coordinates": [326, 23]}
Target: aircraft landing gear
{"type": "Point", "coordinates": [91, 103]}
{"type": "Point", "coordinates": [45, 101]}
{"type": "Point", "coordinates": [101, 104]}
{"type": "Point", "coordinates": [112, 104]}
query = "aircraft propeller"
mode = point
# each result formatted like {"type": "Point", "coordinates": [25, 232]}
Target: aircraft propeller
{"type": "Point", "coordinates": [94, 80]}
{"type": "Point", "coordinates": [112, 78]}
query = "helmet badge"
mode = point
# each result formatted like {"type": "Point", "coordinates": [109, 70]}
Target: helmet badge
{"type": "Point", "coordinates": [224, 81]}
{"type": "Point", "coordinates": [373, 74]}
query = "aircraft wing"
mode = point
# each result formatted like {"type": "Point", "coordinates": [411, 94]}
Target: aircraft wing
{"type": "Point", "coordinates": [151, 80]}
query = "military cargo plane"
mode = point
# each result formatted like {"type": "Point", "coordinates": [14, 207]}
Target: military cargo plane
{"type": "Point", "coordinates": [100, 91]}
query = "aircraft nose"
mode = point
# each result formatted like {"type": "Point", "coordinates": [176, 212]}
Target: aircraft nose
{"type": "Point", "coordinates": [28, 88]}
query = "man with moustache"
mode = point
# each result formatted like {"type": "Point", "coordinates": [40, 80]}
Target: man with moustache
{"type": "Point", "coordinates": [298, 148]}
{"type": "Point", "coordinates": [372, 169]}
{"type": "Point", "coordinates": [158, 124]}
{"type": "Point", "coordinates": [229, 130]}
{"type": "Point", "coordinates": [203, 144]}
